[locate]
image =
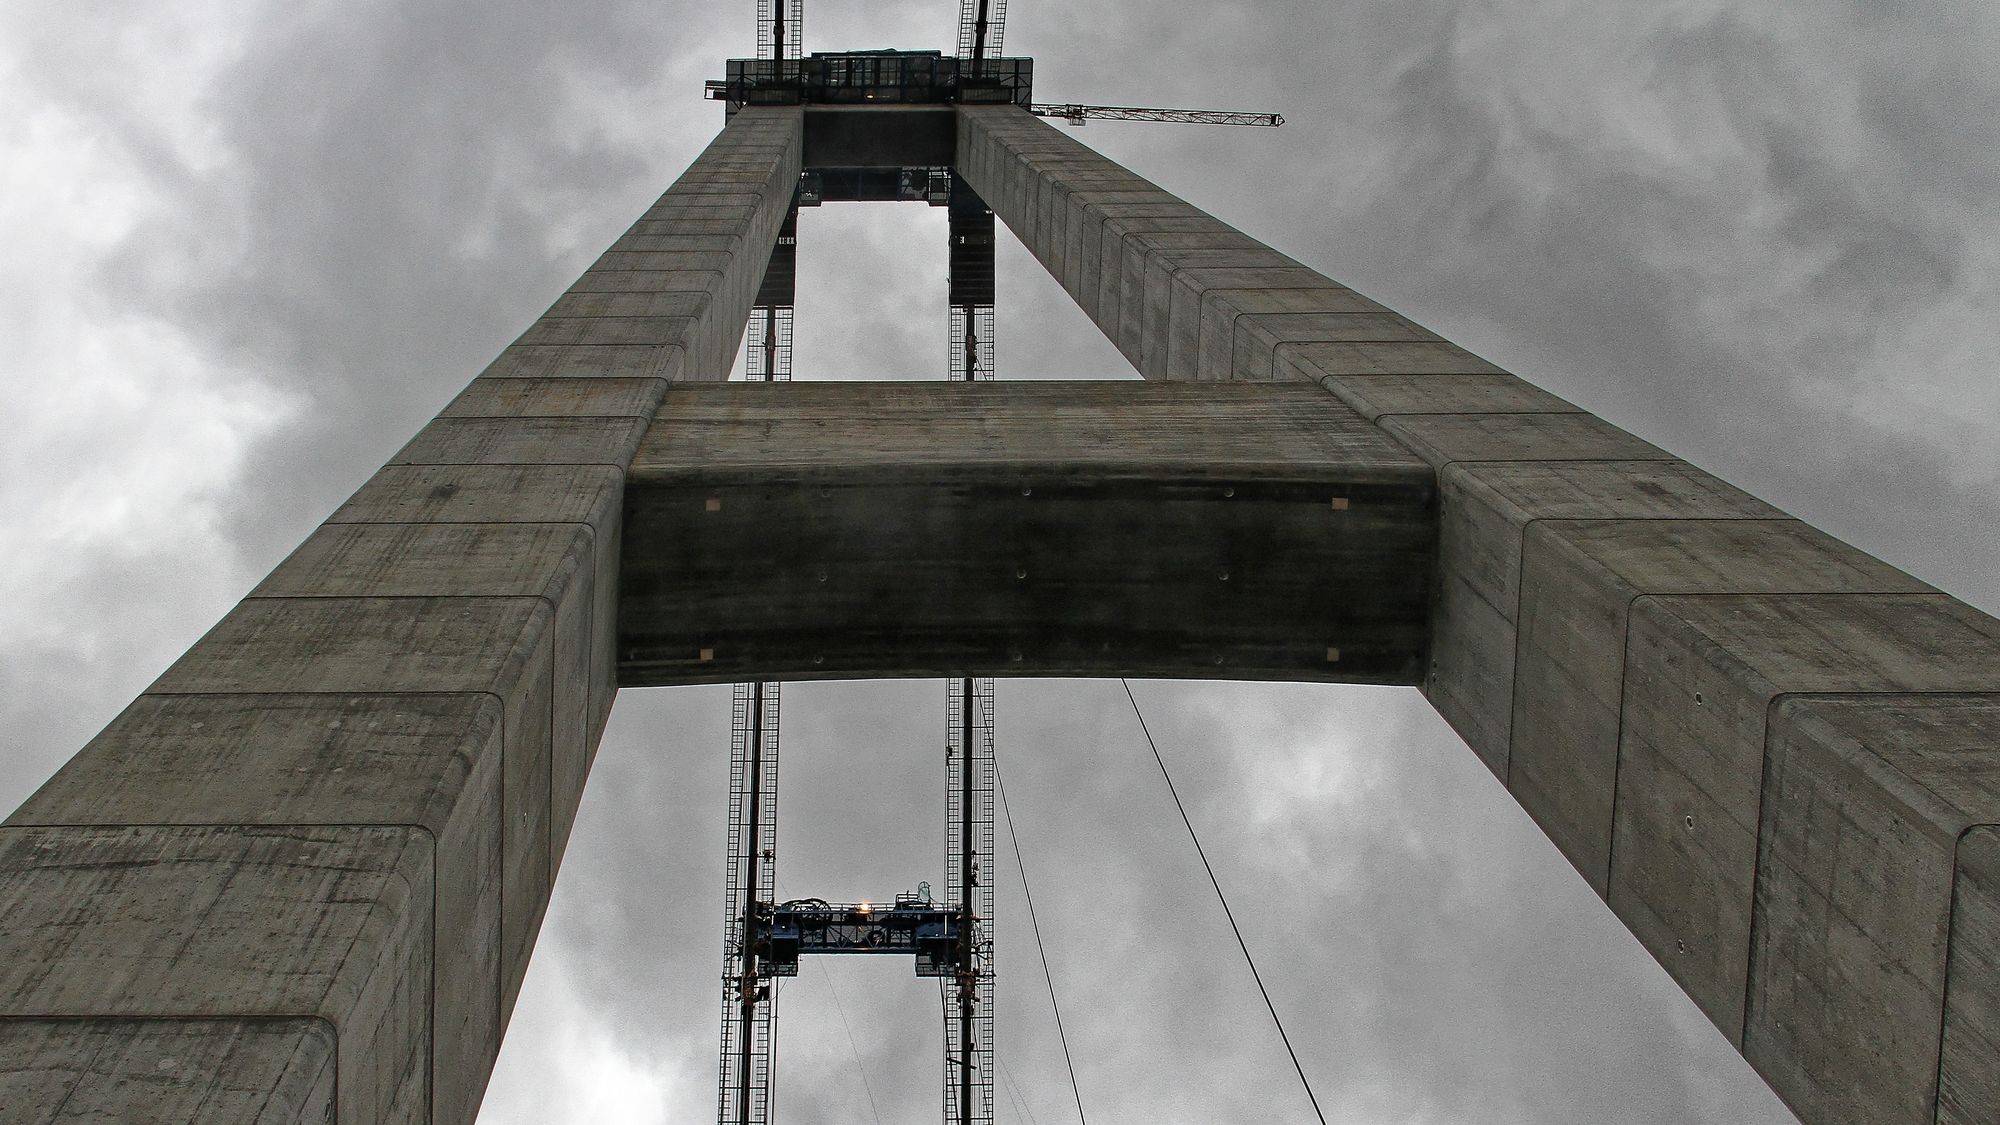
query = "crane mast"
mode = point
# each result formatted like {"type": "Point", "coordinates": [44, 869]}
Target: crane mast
{"type": "Point", "coordinates": [747, 1046]}
{"type": "Point", "coordinates": [767, 340]}
{"type": "Point", "coordinates": [969, 1058]}
{"type": "Point", "coordinates": [970, 282]}
{"type": "Point", "coordinates": [969, 786]}
{"type": "Point", "coordinates": [745, 1075]}
{"type": "Point", "coordinates": [780, 28]}
{"type": "Point", "coordinates": [981, 24]}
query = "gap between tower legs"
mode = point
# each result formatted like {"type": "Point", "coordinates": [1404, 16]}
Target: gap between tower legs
{"type": "Point", "coordinates": [765, 937]}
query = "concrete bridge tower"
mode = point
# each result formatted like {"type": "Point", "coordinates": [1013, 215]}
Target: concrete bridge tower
{"type": "Point", "coordinates": [310, 861]}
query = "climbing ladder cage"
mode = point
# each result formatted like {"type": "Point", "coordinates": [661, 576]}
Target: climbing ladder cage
{"type": "Point", "coordinates": [753, 772]}
{"type": "Point", "coordinates": [767, 28]}
{"type": "Point", "coordinates": [969, 873]}
{"type": "Point", "coordinates": [971, 344]}
{"type": "Point", "coordinates": [767, 337]}
{"type": "Point", "coordinates": [767, 345]}
{"type": "Point", "coordinates": [745, 1073]}
{"type": "Point", "coordinates": [968, 26]}
{"type": "Point", "coordinates": [969, 279]}
{"type": "Point", "coordinates": [745, 1103]}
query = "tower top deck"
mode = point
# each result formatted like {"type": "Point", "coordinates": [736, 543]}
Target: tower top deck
{"type": "Point", "coordinates": [879, 77]}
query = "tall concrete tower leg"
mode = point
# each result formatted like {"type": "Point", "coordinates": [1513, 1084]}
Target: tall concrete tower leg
{"type": "Point", "coordinates": [1775, 757]}
{"type": "Point", "coordinates": [299, 879]}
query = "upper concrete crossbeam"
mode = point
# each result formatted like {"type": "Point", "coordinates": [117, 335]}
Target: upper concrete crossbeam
{"type": "Point", "coordinates": [1777, 758]}
{"type": "Point", "coordinates": [300, 877]}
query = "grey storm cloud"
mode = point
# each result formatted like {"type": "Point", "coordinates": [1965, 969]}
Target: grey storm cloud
{"type": "Point", "coordinates": [261, 244]}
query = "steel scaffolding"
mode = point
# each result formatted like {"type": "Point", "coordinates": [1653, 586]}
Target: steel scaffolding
{"type": "Point", "coordinates": [969, 870]}
{"type": "Point", "coordinates": [751, 876]}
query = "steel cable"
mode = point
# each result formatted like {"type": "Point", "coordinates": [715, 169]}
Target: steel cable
{"type": "Point", "coordinates": [853, 1048]}
{"type": "Point", "coordinates": [1221, 898]}
{"type": "Point", "coordinates": [1008, 814]}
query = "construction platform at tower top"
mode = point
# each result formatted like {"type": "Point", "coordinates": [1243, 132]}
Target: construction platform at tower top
{"type": "Point", "coordinates": [309, 862]}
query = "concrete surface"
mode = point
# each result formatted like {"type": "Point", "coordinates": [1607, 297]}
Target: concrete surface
{"type": "Point", "coordinates": [1873, 808]}
{"type": "Point", "coordinates": [1701, 675]}
{"type": "Point", "coordinates": [95, 1071]}
{"type": "Point", "coordinates": [1612, 631]}
{"type": "Point", "coordinates": [1579, 579]}
{"type": "Point", "coordinates": [308, 865]}
{"type": "Point", "coordinates": [809, 530]}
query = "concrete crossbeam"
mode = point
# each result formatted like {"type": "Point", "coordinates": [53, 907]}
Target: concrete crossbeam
{"type": "Point", "coordinates": [808, 530]}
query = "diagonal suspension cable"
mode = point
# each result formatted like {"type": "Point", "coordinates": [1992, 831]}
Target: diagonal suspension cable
{"type": "Point", "coordinates": [1219, 897]}
{"type": "Point", "coordinates": [1008, 815]}
{"type": "Point", "coordinates": [1014, 1093]}
{"type": "Point", "coordinates": [771, 1093]}
{"type": "Point", "coordinates": [852, 1047]}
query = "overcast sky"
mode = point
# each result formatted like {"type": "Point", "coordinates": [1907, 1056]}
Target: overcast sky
{"type": "Point", "coordinates": [250, 247]}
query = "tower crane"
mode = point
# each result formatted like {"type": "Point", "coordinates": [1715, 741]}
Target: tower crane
{"type": "Point", "coordinates": [981, 23]}
{"type": "Point", "coordinates": [768, 338]}
{"type": "Point", "coordinates": [1080, 114]}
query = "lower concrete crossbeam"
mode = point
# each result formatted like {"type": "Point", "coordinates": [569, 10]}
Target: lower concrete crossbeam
{"type": "Point", "coordinates": [811, 530]}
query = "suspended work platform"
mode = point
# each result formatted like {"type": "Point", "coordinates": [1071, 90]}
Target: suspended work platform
{"type": "Point", "coordinates": [912, 924]}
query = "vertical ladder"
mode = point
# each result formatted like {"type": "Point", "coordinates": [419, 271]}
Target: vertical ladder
{"type": "Point", "coordinates": [745, 1096]}
{"type": "Point", "coordinates": [971, 283]}
{"type": "Point", "coordinates": [969, 873]}
{"type": "Point", "coordinates": [969, 783]}
{"type": "Point", "coordinates": [780, 28]}
{"type": "Point", "coordinates": [981, 25]}
{"type": "Point", "coordinates": [747, 1047]}
{"type": "Point", "coordinates": [767, 341]}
